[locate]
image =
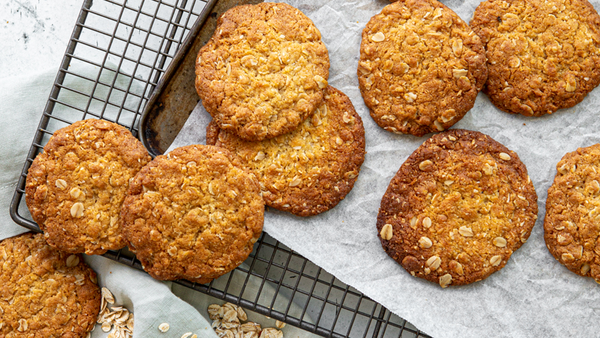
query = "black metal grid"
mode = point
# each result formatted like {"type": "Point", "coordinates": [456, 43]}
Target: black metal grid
{"type": "Point", "coordinates": [116, 55]}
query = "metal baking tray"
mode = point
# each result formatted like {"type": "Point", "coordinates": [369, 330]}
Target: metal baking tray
{"type": "Point", "coordinates": [123, 56]}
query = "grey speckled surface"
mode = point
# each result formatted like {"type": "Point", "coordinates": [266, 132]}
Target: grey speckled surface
{"type": "Point", "coordinates": [34, 34]}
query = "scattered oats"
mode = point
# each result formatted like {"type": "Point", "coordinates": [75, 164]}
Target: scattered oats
{"type": "Point", "coordinates": [279, 325]}
{"type": "Point", "coordinates": [488, 169]}
{"type": "Point", "coordinates": [563, 169]}
{"type": "Point", "coordinates": [108, 295]}
{"type": "Point", "coordinates": [425, 165]}
{"type": "Point", "coordinates": [295, 181]}
{"type": "Point", "coordinates": [567, 257]}
{"type": "Point", "coordinates": [346, 117]}
{"type": "Point", "coordinates": [130, 322]}
{"type": "Point", "coordinates": [213, 311]}
{"type": "Point", "coordinates": [427, 222]}
{"type": "Point", "coordinates": [438, 125]}
{"type": "Point", "coordinates": [571, 86]}
{"type": "Point", "coordinates": [106, 326]}
{"type": "Point", "coordinates": [271, 333]}
{"type": "Point", "coordinates": [561, 239]}
{"type": "Point", "coordinates": [23, 325]}
{"type": "Point", "coordinates": [448, 182]}
{"type": "Point", "coordinates": [425, 243]}
{"type": "Point", "coordinates": [72, 261]}
{"type": "Point", "coordinates": [514, 62]}
{"type": "Point", "coordinates": [321, 82]}
{"type": "Point", "coordinates": [242, 314]}
{"type": "Point", "coordinates": [585, 268]}
{"type": "Point", "coordinates": [465, 231]}
{"type": "Point", "coordinates": [410, 97]}
{"type": "Point", "coordinates": [500, 242]}
{"type": "Point", "coordinates": [186, 335]}
{"type": "Point", "coordinates": [378, 37]}
{"type": "Point", "coordinates": [164, 327]}
{"type": "Point", "coordinates": [457, 46]}
{"type": "Point", "coordinates": [459, 72]}
{"type": "Point", "coordinates": [413, 222]}
{"type": "Point", "coordinates": [495, 260]}
{"type": "Point", "coordinates": [77, 210]}
{"type": "Point", "coordinates": [386, 232]}
{"type": "Point", "coordinates": [230, 316]}
{"type": "Point", "coordinates": [76, 193]}
{"type": "Point", "coordinates": [458, 268]}
{"type": "Point", "coordinates": [445, 280]}
{"type": "Point", "coordinates": [260, 156]}
{"type": "Point", "coordinates": [504, 156]}
{"type": "Point", "coordinates": [61, 184]}
{"type": "Point", "coordinates": [250, 327]}
{"type": "Point", "coordinates": [434, 262]}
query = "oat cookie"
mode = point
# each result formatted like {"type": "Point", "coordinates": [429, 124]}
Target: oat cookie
{"type": "Point", "coordinates": [75, 188]}
{"type": "Point", "coordinates": [571, 225]}
{"type": "Point", "coordinates": [542, 54]}
{"type": "Point", "coordinates": [457, 209]}
{"type": "Point", "coordinates": [420, 67]}
{"type": "Point", "coordinates": [194, 213]}
{"type": "Point", "coordinates": [45, 292]}
{"type": "Point", "coordinates": [311, 169]}
{"type": "Point", "coordinates": [263, 71]}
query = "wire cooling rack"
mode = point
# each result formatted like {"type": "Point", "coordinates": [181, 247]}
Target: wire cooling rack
{"type": "Point", "coordinates": [115, 57]}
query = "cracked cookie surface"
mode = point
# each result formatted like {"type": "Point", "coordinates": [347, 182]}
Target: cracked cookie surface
{"type": "Point", "coordinates": [45, 292]}
{"type": "Point", "coordinates": [421, 67]}
{"type": "Point", "coordinates": [571, 225]}
{"type": "Point", "coordinates": [542, 55]}
{"type": "Point", "coordinates": [311, 169]}
{"type": "Point", "coordinates": [263, 71]}
{"type": "Point", "coordinates": [76, 187]}
{"type": "Point", "coordinates": [194, 213]}
{"type": "Point", "coordinates": [457, 209]}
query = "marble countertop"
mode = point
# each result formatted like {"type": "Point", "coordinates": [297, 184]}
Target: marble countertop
{"type": "Point", "coordinates": [34, 34]}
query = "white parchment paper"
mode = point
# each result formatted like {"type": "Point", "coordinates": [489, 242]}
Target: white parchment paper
{"type": "Point", "coordinates": [533, 296]}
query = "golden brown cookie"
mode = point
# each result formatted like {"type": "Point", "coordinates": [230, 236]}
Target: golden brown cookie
{"type": "Point", "coordinates": [76, 187]}
{"type": "Point", "coordinates": [45, 292]}
{"type": "Point", "coordinates": [194, 213]}
{"type": "Point", "coordinates": [420, 68]}
{"type": "Point", "coordinates": [311, 169]}
{"type": "Point", "coordinates": [571, 225]}
{"type": "Point", "coordinates": [542, 54]}
{"type": "Point", "coordinates": [263, 71]}
{"type": "Point", "coordinates": [457, 209]}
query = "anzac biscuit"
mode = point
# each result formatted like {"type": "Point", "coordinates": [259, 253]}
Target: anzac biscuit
{"type": "Point", "coordinates": [457, 209]}
{"type": "Point", "coordinates": [194, 213]}
{"type": "Point", "coordinates": [542, 54]}
{"type": "Point", "coordinates": [263, 71]}
{"type": "Point", "coordinates": [420, 67]}
{"type": "Point", "coordinates": [45, 292]}
{"type": "Point", "coordinates": [75, 188]}
{"type": "Point", "coordinates": [311, 169]}
{"type": "Point", "coordinates": [572, 222]}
